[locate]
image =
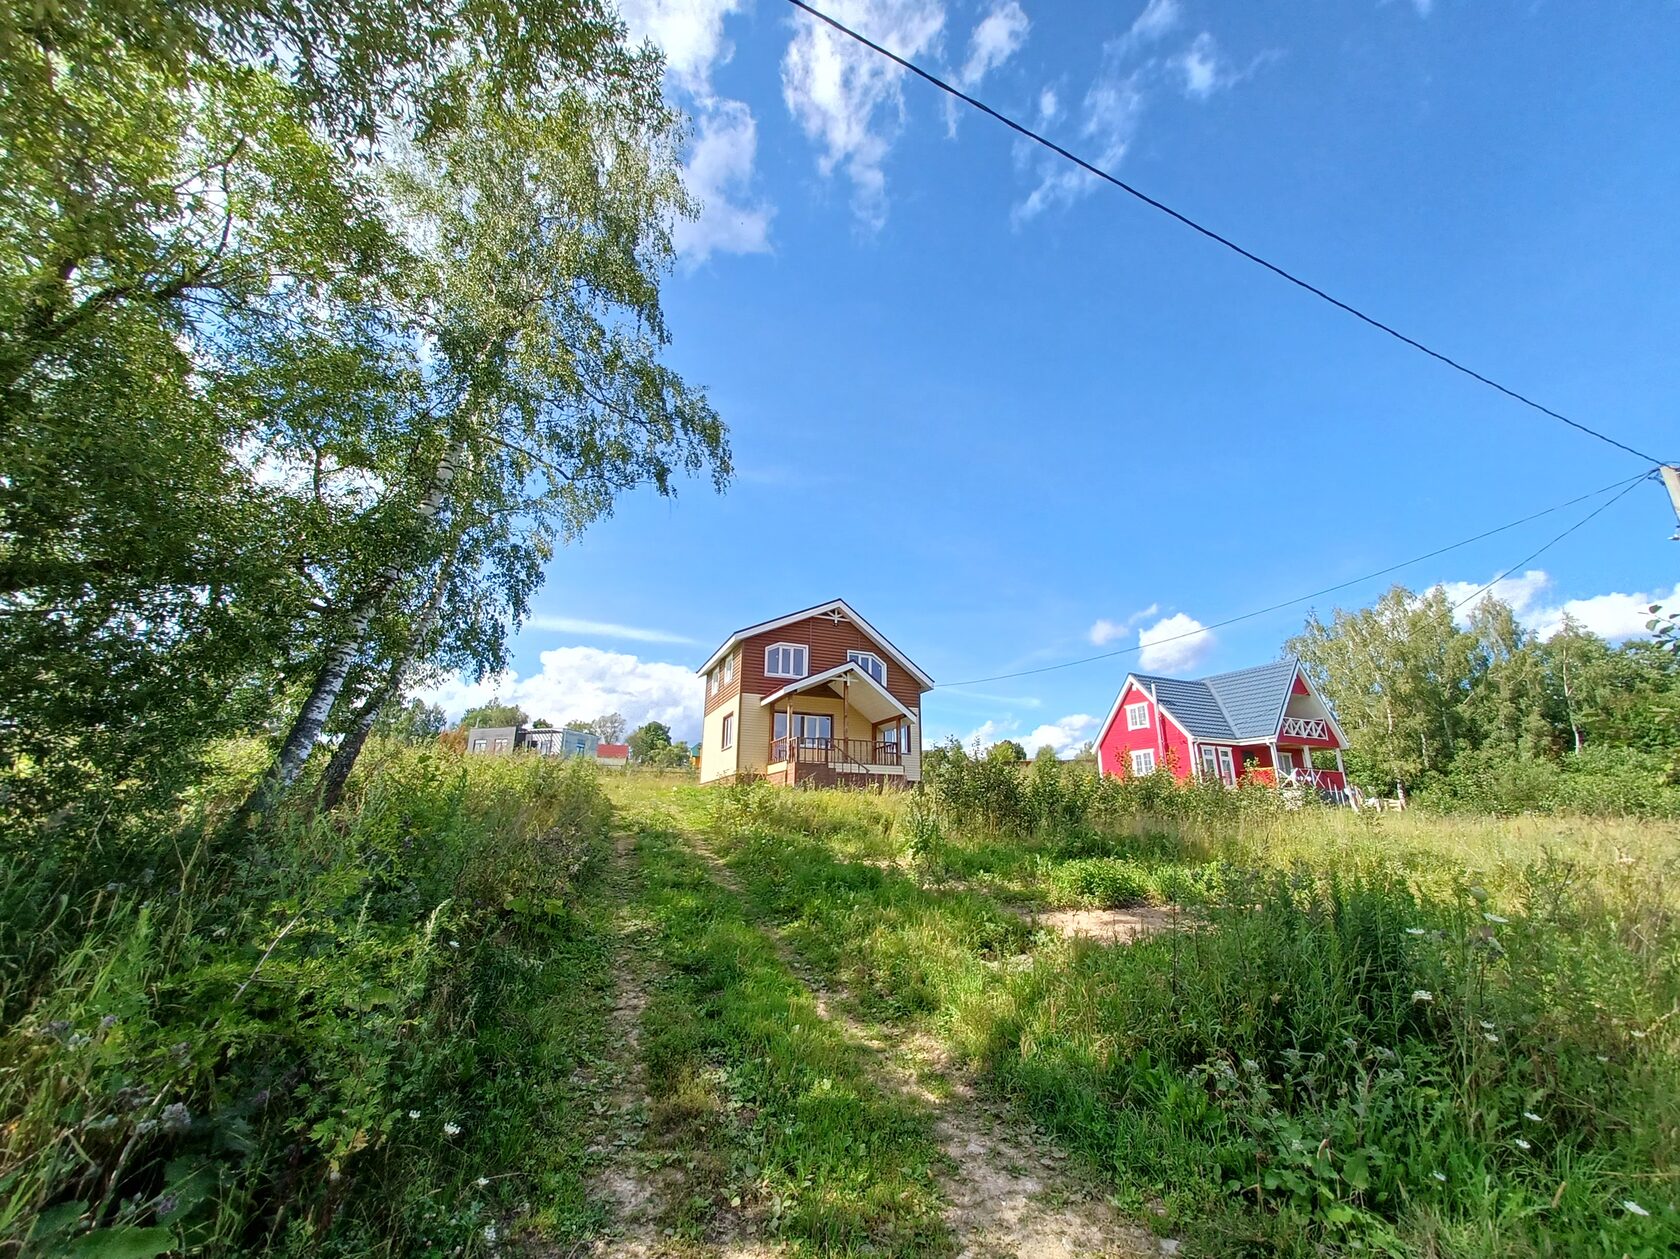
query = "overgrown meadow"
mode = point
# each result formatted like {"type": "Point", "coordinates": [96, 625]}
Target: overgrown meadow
{"type": "Point", "coordinates": [1394, 1034]}
{"type": "Point", "coordinates": [344, 1034]}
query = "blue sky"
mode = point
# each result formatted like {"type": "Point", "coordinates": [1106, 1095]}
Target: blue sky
{"type": "Point", "coordinates": [1014, 417]}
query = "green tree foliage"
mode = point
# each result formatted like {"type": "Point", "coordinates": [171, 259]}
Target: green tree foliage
{"type": "Point", "coordinates": [1490, 712]}
{"type": "Point", "coordinates": [1007, 752]}
{"type": "Point", "coordinates": [495, 713]}
{"type": "Point", "coordinates": [321, 325]}
{"type": "Point", "coordinates": [413, 722]}
{"type": "Point", "coordinates": [648, 739]}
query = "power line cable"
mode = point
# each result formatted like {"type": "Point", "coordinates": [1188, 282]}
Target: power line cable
{"type": "Point", "coordinates": [1625, 486]}
{"type": "Point", "coordinates": [1537, 554]}
{"type": "Point", "coordinates": [1026, 131]}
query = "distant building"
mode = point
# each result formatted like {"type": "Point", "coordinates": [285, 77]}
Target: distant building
{"type": "Point", "coordinates": [818, 696]}
{"type": "Point", "coordinates": [1266, 722]}
{"type": "Point", "coordinates": [543, 740]}
{"type": "Point", "coordinates": [613, 755]}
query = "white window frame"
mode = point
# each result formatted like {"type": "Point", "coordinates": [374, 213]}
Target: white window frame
{"type": "Point", "coordinates": [799, 658]}
{"type": "Point", "coordinates": [728, 733]}
{"type": "Point", "coordinates": [1137, 715]}
{"type": "Point", "coordinates": [1143, 762]}
{"type": "Point", "coordinates": [860, 658]}
{"type": "Point", "coordinates": [480, 745]}
{"type": "Point", "coordinates": [729, 670]}
{"type": "Point", "coordinates": [713, 678]}
{"type": "Point", "coordinates": [1227, 766]}
{"type": "Point", "coordinates": [1209, 761]}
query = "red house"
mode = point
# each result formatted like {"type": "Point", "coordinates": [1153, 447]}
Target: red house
{"type": "Point", "coordinates": [1268, 721]}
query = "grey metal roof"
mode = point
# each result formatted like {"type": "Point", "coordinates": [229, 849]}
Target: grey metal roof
{"type": "Point", "coordinates": [1241, 706]}
{"type": "Point", "coordinates": [1191, 703]}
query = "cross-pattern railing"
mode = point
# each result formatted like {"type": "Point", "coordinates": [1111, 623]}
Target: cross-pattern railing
{"type": "Point", "coordinates": [1306, 727]}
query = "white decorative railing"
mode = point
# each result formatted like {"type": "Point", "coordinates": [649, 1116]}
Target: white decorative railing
{"type": "Point", "coordinates": [1306, 727]}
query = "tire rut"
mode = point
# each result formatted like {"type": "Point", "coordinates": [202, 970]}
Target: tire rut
{"type": "Point", "coordinates": [1009, 1192]}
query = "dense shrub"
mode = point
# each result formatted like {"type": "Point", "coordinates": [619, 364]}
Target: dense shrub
{"type": "Point", "coordinates": [275, 1042]}
{"type": "Point", "coordinates": [1106, 882]}
{"type": "Point", "coordinates": [1597, 781]}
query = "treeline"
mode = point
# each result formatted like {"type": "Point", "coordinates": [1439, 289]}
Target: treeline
{"type": "Point", "coordinates": [322, 325]}
{"type": "Point", "coordinates": [1492, 716]}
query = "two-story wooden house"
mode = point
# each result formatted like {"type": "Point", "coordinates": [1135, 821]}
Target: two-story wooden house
{"type": "Point", "coordinates": [1267, 721]}
{"type": "Point", "coordinates": [818, 696]}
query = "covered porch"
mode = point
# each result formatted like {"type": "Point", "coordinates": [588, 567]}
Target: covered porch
{"type": "Point", "coordinates": [1313, 763]}
{"type": "Point", "coordinates": [838, 728]}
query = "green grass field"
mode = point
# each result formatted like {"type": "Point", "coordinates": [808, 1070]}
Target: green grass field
{"type": "Point", "coordinates": [507, 1006]}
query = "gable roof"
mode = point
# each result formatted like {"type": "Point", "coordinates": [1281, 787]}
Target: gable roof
{"type": "Point", "coordinates": [612, 751]}
{"type": "Point", "coordinates": [852, 669]}
{"type": "Point", "coordinates": [832, 605]}
{"type": "Point", "coordinates": [1241, 707]}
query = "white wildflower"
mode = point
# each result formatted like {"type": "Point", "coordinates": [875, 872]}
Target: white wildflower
{"type": "Point", "coordinates": [1633, 1208]}
{"type": "Point", "coordinates": [1440, 1176]}
{"type": "Point", "coordinates": [1423, 994]}
{"type": "Point", "coordinates": [1638, 1035]}
{"type": "Point", "coordinates": [490, 1233]}
{"type": "Point", "coordinates": [451, 1129]}
{"type": "Point", "coordinates": [482, 1181]}
{"type": "Point", "coordinates": [414, 1114]}
{"type": "Point", "coordinates": [1486, 1026]}
{"type": "Point", "coordinates": [1416, 931]}
{"type": "Point", "coordinates": [1521, 1144]}
{"type": "Point", "coordinates": [1492, 1038]}
{"type": "Point", "coordinates": [454, 944]}
{"type": "Point", "coordinates": [1531, 1116]}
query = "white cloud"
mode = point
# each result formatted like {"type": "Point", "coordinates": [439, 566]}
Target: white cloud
{"type": "Point", "coordinates": [602, 629]}
{"type": "Point", "coordinates": [584, 682]}
{"type": "Point", "coordinates": [1615, 615]}
{"type": "Point", "coordinates": [1063, 736]}
{"type": "Point", "coordinates": [849, 100]}
{"type": "Point", "coordinates": [718, 171]}
{"type": "Point", "coordinates": [718, 174]}
{"type": "Point", "coordinates": [1158, 17]}
{"type": "Point", "coordinates": [1204, 73]}
{"type": "Point", "coordinates": [688, 32]}
{"type": "Point", "coordinates": [1174, 644]}
{"type": "Point", "coordinates": [1424, 7]}
{"type": "Point", "coordinates": [986, 734]}
{"type": "Point", "coordinates": [997, 37]}
{"type": "Point", "coordinates": [1106, 631]}
{"type": "Point", "coordinates": [1049, 105]}
{"type": "Point", "coordinates": [1113, 106]}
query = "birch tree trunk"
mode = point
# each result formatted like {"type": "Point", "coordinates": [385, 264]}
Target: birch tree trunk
{"type": "Point", "coordinates": [350, 749]}
{"type": "Point", "coordinates": [329, 683]}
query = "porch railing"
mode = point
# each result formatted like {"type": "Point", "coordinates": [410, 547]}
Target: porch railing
{"type": "Point", "coordinates": [1306, 727]}
{"type": "Point", "coordinates": [840, 753]}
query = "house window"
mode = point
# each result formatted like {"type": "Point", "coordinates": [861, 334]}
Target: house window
{"type": "Point", "coordinates": [712, 677]}
{"type": "Point", "coordinates": [784, 660]}
{"type": "Point", "coordinates": [1137, 716]}
{"type": "Point", "coordinates": [1227, 767]}
{"type": "Point", "coordinates": [1143, 761]}
{"type": "Point", "coordinates": [501, 745]}
{"type": "Point", "coordinates": [813, 730]}
{"type": "Point", "coordinates": [479, 745]}
{"type": "Point", "coordinates": [729, 730]}
{"type": "Point", "coordinates": [1210, 762]}
{"type": "Point", "coordinates": [870, 663]}
{"type": "Point", "coordinates": [729, 670]}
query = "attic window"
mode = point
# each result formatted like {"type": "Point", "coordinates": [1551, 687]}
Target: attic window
{"type": "Point", "coordinates": [729, 670]}
{"type": "Point", "coordinates": [1137, 716]}
{"type": "Point", "coordinates": [870, 663]}
{"type": "Point", "coordinates": [785, 660]}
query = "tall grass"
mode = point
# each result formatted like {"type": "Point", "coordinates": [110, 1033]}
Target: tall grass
{"type": "Point", "coordinates": [310, 1039]}
{"type": "Point", "coordinates": [1418, 1036]}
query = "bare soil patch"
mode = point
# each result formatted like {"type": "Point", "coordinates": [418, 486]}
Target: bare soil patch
{"type": "Point", "coordinates": [1112, 926]}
